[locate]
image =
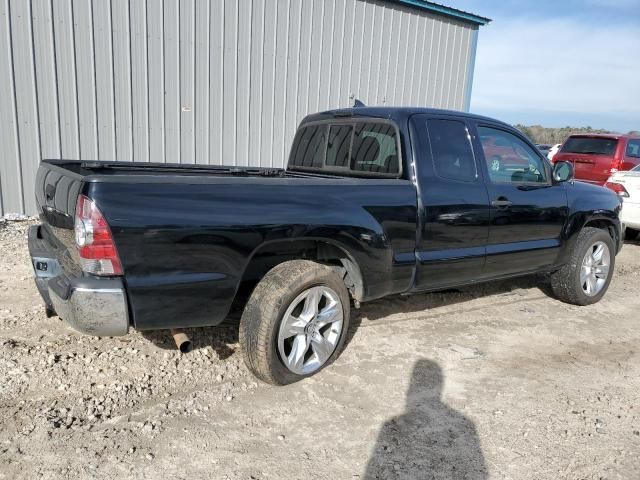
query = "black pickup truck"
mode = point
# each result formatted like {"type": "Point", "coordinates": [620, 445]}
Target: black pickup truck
{"type": "Point", "coordinates": [374, 202]}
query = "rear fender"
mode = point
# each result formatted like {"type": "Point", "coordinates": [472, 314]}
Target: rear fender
{"type": "Point", "coordinates": [350, 255]}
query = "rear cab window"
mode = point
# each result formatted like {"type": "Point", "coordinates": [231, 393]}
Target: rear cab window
{"type": "Point", "coordinates": [352, 148]}
{"type": "Point", "coordinates": [590, 145]}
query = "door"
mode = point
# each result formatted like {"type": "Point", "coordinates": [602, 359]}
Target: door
{"type": "Point", "coordinates": [453, 203]}
{"type": "Point", "coordinates": [528, 211]}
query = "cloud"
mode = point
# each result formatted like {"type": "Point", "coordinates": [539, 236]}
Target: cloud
{"type": "Point", "coordinates": [558, 65]}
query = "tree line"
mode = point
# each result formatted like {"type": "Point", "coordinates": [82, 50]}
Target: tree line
{"type": "Point", "coordinates": [546, 135]}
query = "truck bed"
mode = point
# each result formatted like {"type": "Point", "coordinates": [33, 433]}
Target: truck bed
{"type": "Point", "coordinates": [185, 234]}
{"type": "Point", "coordinates": [94, 168]}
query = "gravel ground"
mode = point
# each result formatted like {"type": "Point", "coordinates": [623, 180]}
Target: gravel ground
{"type": "Point", "coordinates": [496, 381]}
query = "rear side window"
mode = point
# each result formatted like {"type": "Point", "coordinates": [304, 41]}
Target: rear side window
{"type": "Point", "coordinates": [360, 147]}
{"type": "Point", "coordinates": [590, 145]}
{"type": "Point", "coordinates": [451, 150]}
{"type": "Point", "coordinates": [633, 148]}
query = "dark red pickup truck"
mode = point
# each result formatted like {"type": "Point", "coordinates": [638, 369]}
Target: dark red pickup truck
{"type": "Point", "coordinates": [596, 156]}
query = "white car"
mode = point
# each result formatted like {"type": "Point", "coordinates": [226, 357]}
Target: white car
{"type": "Point", "coordinates": [553, 150]}
{"type": "Point", "coordinates": [627, 185]}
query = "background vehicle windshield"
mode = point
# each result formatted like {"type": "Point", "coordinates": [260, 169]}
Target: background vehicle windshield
{"type": "Point", "coordinates": [592, 145]}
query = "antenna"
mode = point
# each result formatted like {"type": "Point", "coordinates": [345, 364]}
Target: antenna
{"type": "Point", "coordinates": [357, 104]}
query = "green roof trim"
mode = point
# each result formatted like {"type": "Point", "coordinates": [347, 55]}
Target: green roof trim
{"type": "Point", "coordinates": [444, 10]}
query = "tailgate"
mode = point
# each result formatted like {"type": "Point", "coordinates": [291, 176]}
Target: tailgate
{"type": "Point", "coordinates": [57, 191]}
{"type": "Point", "coordinates": [592, 167]}
{"type": "Point", "coordinates": [596, 168]}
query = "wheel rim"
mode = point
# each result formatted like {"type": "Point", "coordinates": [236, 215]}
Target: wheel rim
{"type": "Point", "coordinates": [310, 330]}
{"type": "Point", "coordinates": [495, 164]}
{"type": "Point", "coordinates": [595, 269]}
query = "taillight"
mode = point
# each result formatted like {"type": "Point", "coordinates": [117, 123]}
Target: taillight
{"type": "Point", "coordinates": [616, 165]}
{"type": "Point", "coordinates": [618, 188]}
{"type": "Point", "coordinates": [95, 244]}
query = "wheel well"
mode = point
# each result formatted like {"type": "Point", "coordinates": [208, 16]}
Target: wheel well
{"type": "Point", "coordinates": [272, 254]}
{"type": "Point", "coordinates": [606, 226]}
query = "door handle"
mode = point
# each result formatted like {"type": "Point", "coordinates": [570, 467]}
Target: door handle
{"type": "Point", "coordinates": [501, 202]}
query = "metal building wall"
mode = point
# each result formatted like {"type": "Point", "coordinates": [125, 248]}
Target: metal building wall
{"type": "Point", "coordinates": [198, 81]}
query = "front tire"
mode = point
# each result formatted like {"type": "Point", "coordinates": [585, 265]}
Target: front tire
{"type": "Point", "coordinates": [295, 322]}
{"type": "Point", "coordinates": [586, 276]}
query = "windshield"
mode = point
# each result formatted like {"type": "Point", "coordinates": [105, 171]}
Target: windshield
{"type": "Point", "coordinates": [592, 145]}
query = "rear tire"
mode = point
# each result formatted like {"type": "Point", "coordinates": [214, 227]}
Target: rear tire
{"type": "Point", "coordinates": [582, 281]}
{"type": "Point", "coordinates": [630, 234]}
{"type": "Point", "coordinates": [292, 288]}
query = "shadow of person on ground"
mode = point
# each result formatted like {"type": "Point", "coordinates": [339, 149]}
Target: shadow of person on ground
{"type": "Point", "coordinates": [430, 440]}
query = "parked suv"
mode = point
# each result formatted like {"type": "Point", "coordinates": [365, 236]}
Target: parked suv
{"type": "Point", "coordinates": [596, 157]}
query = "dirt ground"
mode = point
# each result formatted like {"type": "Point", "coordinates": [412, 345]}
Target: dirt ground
{"type": "Point", "coordinates": [497, 381]}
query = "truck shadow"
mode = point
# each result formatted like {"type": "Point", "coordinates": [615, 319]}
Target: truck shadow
{"type": "Point", "coordinates": [430, 439]}
{"type": "Point", "coordinates": [633, 242]}
{"type": "Point", "coordinates": [224, 338]}
{"type": "Point", "coordinates": [424, 302]}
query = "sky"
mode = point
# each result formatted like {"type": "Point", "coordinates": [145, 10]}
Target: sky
{"type": "Point", "coordinates": [558, 63]}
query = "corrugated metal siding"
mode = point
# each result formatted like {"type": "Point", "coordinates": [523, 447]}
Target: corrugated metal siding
{"type": "Point", "coordinates": [222, 82]}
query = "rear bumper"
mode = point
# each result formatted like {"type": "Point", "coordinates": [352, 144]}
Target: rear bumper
{"type": "Point", "coordinates": [95, 306]}
{"type": "Point", "coordinates": [92, 306]}
{"type": "Point", "coordinates": [44, 262]}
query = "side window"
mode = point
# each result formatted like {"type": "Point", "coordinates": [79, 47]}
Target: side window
{"type": "Point", "coordinates": [633, 148]}
{"type": "Point", "coordinates": [451, 150]}
{"type": "Point", "coordinates": [375, 148]}
{"type": "Point", "coordinates": [509, 159]}
{"type": "Point", "coordinates": [309, 147]}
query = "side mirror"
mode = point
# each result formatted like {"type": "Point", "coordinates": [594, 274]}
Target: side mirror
{"type": "Point", "coordinates": [563, 172]}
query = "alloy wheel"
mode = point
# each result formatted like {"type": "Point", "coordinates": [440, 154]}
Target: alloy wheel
{"type": "Point", "coordinates": [310, 330]}
{"type": "Point", "coordinates": [595, 269]}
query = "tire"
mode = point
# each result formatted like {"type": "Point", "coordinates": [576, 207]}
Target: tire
{"type": "Point", "coordinates": [566, 282]}
{"type": "Point", "coordinates": [630, 234]}
{"type": "Point", "coordinates": [291, 288]}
